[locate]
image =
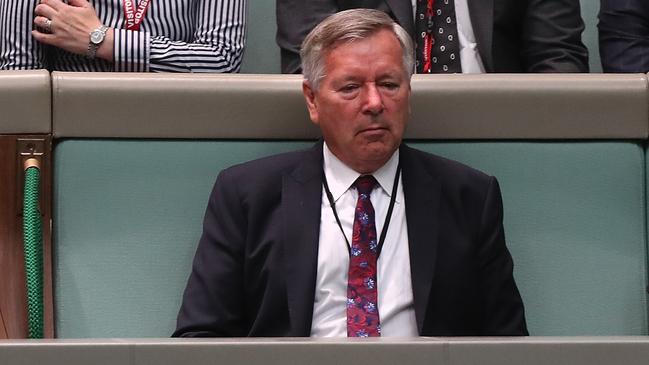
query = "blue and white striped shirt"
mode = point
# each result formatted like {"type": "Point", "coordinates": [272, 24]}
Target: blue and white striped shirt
{"type": "Point", "coordinates": [174, 36]}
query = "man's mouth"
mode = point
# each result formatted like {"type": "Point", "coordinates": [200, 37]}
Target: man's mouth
{"type": "Point", "coordinates": [373, 130]}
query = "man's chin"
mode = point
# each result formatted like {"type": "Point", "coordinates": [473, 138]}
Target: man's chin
{"type": "Point", "coordinates": [374, 135]}
{"type": "Point", "coordinates": [373, 159]}
{"type": "Point", "coordinates": [379, 147]}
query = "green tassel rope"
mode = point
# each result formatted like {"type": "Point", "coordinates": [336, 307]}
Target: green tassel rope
{"type": "Point", "coordinates": [33, 246]}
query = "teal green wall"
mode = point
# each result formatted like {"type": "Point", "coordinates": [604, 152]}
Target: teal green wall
{"type": "Point", "coordinates": [574, 222]}
{"type": "Point", "coordinates": [128, 216]}
{"type": "Point", "coordinates": [589, 11]}
{"type": "Point", "coordinates": [262, 52]}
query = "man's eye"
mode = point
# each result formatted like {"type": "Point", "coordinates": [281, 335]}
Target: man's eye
{"type": "Point", "coordinates": [390, 85]}
{"type": "Point", "coordinates": [349, 88]}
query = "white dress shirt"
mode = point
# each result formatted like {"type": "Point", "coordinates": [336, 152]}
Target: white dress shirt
{"type": "Point", "coordinates": [469, 55]}
{"type": "Point", "coordinates": [395, 298]}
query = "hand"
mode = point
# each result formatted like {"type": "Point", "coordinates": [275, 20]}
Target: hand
{"type": "Point", "coordinates": [71, 26]}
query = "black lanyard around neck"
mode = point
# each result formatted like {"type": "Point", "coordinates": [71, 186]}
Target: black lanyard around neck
{"type": "Point", "coordinates": [384, 231]}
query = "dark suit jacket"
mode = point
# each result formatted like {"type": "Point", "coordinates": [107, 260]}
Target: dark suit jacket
{"type": "Point", "coordinates": [624, 35]}
{"type": "Point", "coordinates": [254, 271]}
{"type": "Point", "coordinates": [512, 35]}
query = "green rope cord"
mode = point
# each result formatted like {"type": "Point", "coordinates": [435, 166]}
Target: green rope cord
{"type": "Point", "coordinates": [33, 245]}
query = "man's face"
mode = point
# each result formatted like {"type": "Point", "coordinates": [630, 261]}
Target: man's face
{"type": "Point", "coordinates": [363, 101]}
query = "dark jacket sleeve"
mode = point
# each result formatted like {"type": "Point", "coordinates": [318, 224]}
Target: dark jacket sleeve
{"type": "Point", "coordinates": [295, 19]}
{"type": "Point", "coordinates": [502, 304]}
{"type": "Point", "coordinates": [213, 302]}
{"type": "Point", "coordinates": [624, 35]}
{"type": "Point", "coordinates": [551, 37]}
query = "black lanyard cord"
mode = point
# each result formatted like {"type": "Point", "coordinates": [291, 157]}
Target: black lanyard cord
{"type": "Point", "coordinates": [384, 231]}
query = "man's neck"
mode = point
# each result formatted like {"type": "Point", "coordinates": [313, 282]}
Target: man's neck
{"type": "Point", "coordinates": [340, 176]}
{"type": "Point", "coordinates": [361, 167]}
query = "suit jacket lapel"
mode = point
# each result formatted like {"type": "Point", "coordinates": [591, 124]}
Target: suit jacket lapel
{"type": "Point", "coordinates": [422, 194]}
{"type": "Point", "coordinates": [481, 13]}
{"type": "Point", "coordinates": [402, 10]}
{"type": "Point", "coordinates": [301, 200]}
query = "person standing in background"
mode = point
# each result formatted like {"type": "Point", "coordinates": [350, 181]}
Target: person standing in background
{"type": "Point", "coordinates": [467, 36]}
{"type": "Point", "coordinates": [624, 35]}
{"type": "Point", "coordinates": [123, 35]}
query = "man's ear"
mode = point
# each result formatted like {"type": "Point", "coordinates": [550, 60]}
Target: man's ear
{"type": "Point", "coordinates": [309, 97]}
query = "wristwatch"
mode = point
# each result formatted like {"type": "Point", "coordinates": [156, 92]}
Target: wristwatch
{"type": "Point", "coordinates": [96, 37]}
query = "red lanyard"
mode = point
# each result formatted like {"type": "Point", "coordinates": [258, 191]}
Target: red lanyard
{"type": "Point", "coordinates": [428, 40]}
{"type": "Point", "coordinates": [135, 16]}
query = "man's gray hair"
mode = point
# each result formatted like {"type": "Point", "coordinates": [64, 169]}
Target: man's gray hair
{"type": "Point", "coordinates": [347, 26]}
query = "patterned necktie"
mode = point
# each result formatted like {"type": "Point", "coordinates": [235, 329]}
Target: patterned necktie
{"type": "Point", "coordinates": [362, 298]}
{"type": "Point", "coordinates": [438, 48]}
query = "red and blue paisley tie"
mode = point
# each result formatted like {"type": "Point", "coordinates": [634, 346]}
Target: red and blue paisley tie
{"type": "Point", "coordinates": [362, 298]}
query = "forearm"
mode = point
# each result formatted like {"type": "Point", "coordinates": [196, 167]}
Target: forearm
{"type": "Point", "coordinates": [213, 302]}
{"type": "Point", "coordinates": [503, 314]}
{"type": "Point", "coordinates": [216, 45]}
{"type": "Point", "coordinates": [106, 49]}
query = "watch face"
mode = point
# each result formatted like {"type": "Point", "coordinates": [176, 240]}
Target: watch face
{"type": "Point", "coordinates": [96, 36]}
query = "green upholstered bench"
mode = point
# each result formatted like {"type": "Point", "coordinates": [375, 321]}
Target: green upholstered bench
{"type": "Point", "coordinates": [136, 157]}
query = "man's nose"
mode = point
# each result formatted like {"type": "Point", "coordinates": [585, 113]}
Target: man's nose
{"type": "Point", "coordinates": [373, 102]}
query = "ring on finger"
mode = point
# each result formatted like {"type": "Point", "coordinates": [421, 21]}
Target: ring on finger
{"type": "Point", "coordinates": [48, 25]}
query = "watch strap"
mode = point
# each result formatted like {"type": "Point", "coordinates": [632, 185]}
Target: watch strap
{"type": "Point", "coordinates": [92, 47]}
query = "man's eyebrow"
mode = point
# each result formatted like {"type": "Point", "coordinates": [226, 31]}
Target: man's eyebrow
{"type": "Point", "coordinates": [346, 78]}
{"type": "Point", "coordinates": [391, 75]}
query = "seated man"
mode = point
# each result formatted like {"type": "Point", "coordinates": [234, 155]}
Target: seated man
{"type": "Point", "coordinates": [360, 235]}
{"type": "Point", "coordinates": [624, 35]}
{"type": "Point", "coordinates": [467, 36]}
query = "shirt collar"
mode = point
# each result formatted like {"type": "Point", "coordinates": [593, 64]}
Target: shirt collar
{"type": "Point", "coordinates": [340, 177]}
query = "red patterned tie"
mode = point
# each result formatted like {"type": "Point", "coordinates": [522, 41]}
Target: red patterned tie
{"type": "Point", "coordinates": [362, 299]}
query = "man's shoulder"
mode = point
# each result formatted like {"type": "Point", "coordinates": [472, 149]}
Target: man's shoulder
{"type": "Point", "coordinates": [273, 166]}
{"type": "Point", "coordinates": [443, 168]}
{"type": "Point", "coordinates": [459, 185]}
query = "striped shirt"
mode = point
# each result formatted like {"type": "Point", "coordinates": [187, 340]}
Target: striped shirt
{"type": "Point", "coordinates": [174, 36]}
